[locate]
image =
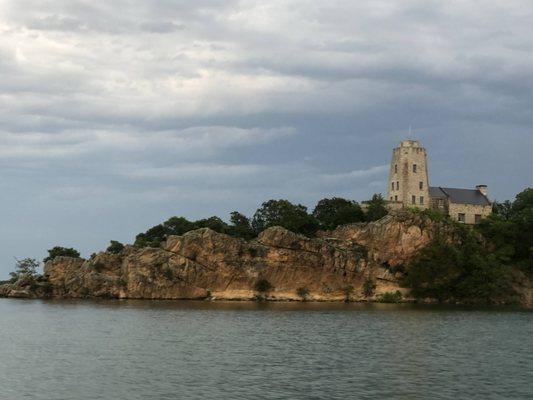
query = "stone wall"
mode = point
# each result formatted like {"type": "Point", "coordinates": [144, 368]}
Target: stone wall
{"type": "Point", "coordinates": [470, 210]}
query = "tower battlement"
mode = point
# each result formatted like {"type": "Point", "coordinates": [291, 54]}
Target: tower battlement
{"type": "Point", "coordinates": [410, 143]}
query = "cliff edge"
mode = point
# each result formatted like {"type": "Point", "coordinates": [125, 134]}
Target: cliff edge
{"type": "Point", "coordinates": [355, 262]}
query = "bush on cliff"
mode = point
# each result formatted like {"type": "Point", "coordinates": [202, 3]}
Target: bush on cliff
{"type": "Point", "coordinates": [369, 286]}
{"type": "Point", "coordinates": [328, 214]}
{"type": "Point", "coordinates": [461, 271]}
{"type": "Point", "coordinates": [58, 251]}
{"type": "Point", "coordinates": [214, 223]}
{"type": "Point", "coordinates": [262, 286]}
{"type": "Point", "coordinates": [336, 211]}
{"type": "Point", "coordinates": [115, 247]}
{"type": "Point", "coordinates": [240, 226]}
{"type": "Point", "coordinates": [158, 234]}
{"type": "Point", "coordinates": [25, 269]}
{"type": "Point", "coordinates": [390, 297]}
{"type": "Point", "coordinates": [303, 293]}
{"type": "Point", "coordinates": [293, 217]}
{"type": "Point", "coordinates": [509, 230]}
{"type": "Point", "coordinates": [376, 208]}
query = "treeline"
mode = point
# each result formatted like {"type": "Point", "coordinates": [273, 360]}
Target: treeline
{"type": "Point", "coordinates": [482, 265]}
{"type": "Point", "coordinates": [327, 215]}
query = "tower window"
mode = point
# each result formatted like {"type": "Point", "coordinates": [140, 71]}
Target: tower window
{"type": "Point", "coordinates": [395, 198]}
{"type": "Point", "coordinates": [413, 199]}
{"type": "Point", "coordinates": [421, 185]}
{"type": "Point", "coordinates": [397, 185]}
{"type": "Point", "coordinates": [392, 185]}
{"type": "Point", "coordinates": [414, 168]}
{"type": "Point", "coordinates": [391, 198]}
{"type": "Point", "coordinates": [421, 199]}
{"type": "Point", "coordinates": [395, 168]}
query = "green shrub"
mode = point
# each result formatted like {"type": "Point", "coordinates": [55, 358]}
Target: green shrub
{"type": "Point", "coordinates": [391, 297]}
{"type": "Point", "coordinates": [115, 247]}
{"type": "Point", "coordinates": [336, 211]}
{"type": "Point", "coordinates": [262, 285]}
{"type": "Point", "coordinates": [293, 217]}
{"type": "Point", "coordinates": [241, 226]}
{"type": "Point", "coordinates": [347, 291]}
{"type": "Point", "coordinates": [509, 231]}
{"type": "Point", "coordinates": [59, 251]}
{"type": "Point", "coordinates": [25, 270]}
{"type": "Point", "coordinates": [302, 292]}
{"type": "Point", "coordinates": [434, 215]}
{"type": "Point", "coordinates": [368, 287]}
{"type": "Point", "coordinates": [376, 208]}
{"type": "Point", "coordinates": [461, 271]}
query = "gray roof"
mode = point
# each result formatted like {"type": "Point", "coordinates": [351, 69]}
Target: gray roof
{"type": "Point", "coordinates": [461, 196]}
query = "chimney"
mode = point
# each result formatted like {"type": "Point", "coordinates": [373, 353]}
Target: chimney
{"type": "Point", "coordinates": [482, 189]}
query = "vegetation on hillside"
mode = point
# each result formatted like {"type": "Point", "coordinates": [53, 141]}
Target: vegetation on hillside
{"type": "Point", "coordinates": [25, 269]}
{"type": "Point", "coordinates": [327, 215]}
{"type": "Point", "coordinates": [463, 264]}
{"type": "Point", "coordinates": [115, 247]}
{"type": "Point", "coordinates": [61, 251]}
{"type": "Point", "coordinates": [509, 231]}
{"type": "Point", "coordinates": [336, 211]}
{"type": "Point", "coordinates": [376, 208]}
{"type": "Point", "coordinates": [477, 266]}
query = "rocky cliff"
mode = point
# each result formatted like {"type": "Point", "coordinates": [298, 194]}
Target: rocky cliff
{"type": "Point", "coordinates": [205, 264]}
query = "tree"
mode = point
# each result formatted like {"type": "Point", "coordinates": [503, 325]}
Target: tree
{"type": "Point", "coordinates": [435, 272]}
{"type": "Point", "coordinates": [376, 208]}
{"type": "Point", "coordinates": [158, 234]}
{"type": "Point", "coordinates": [240, 226]}
{"type": "Point", "coordinates": [463, 270]}
{"type": "Point", "coordinates": [523, 202]}
{"type": "Point", "coordinates": [522, 216]}
{"type": "Point", "coordinates": [510, 230]}
{"type": "Point", "coordinates": [336, 211]}
{"type": "Point", "coordinates": [115, 247]}
{"type": "Point", "coordinates": [59, 251]}
{"type": "Point", "coordinates": [24, 269]}
{"type": "Point", "coordinates": [293, 217]}
{"type": "Point", "coordinates": [214, 223]}
{"type": "Point", "coordinates": [369, 286]}
{"type": "Point", "coordinates": [177, 226]}
{"type": "Point", "coordinates": [503, 210]}
{"type": "Point", "coordinates": [153, 237]}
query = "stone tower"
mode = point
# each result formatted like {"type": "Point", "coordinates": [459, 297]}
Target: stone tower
{"type": "Point", "coordinates": [408, 177]}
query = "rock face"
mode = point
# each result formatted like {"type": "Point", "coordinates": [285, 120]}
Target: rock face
{"type": "Point", "coordinates": [205, 264]}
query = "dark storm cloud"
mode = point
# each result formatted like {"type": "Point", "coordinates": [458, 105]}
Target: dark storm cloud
{"type": "Point", "coordinates": [116, 115]}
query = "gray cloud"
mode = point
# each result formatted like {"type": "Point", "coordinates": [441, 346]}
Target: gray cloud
{"type": "Point", "coordinates": [116, 115]}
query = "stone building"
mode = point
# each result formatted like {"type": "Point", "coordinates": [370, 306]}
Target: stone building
{"type": "Point", "coordinates": [409, 187]}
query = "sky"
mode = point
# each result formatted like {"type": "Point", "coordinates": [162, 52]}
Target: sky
{"type": "Point", "coordinates": [115, 116]}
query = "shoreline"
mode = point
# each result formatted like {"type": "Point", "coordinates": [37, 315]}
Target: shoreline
{"type": "Point", "coordinates": [270, 301]}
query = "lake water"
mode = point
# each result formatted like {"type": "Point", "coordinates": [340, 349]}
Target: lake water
{"type": "Point", "coordinates": [237, 350]}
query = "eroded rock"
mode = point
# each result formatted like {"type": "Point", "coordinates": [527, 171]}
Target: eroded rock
{"type": "Point", "coordinates": [203, 263]}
